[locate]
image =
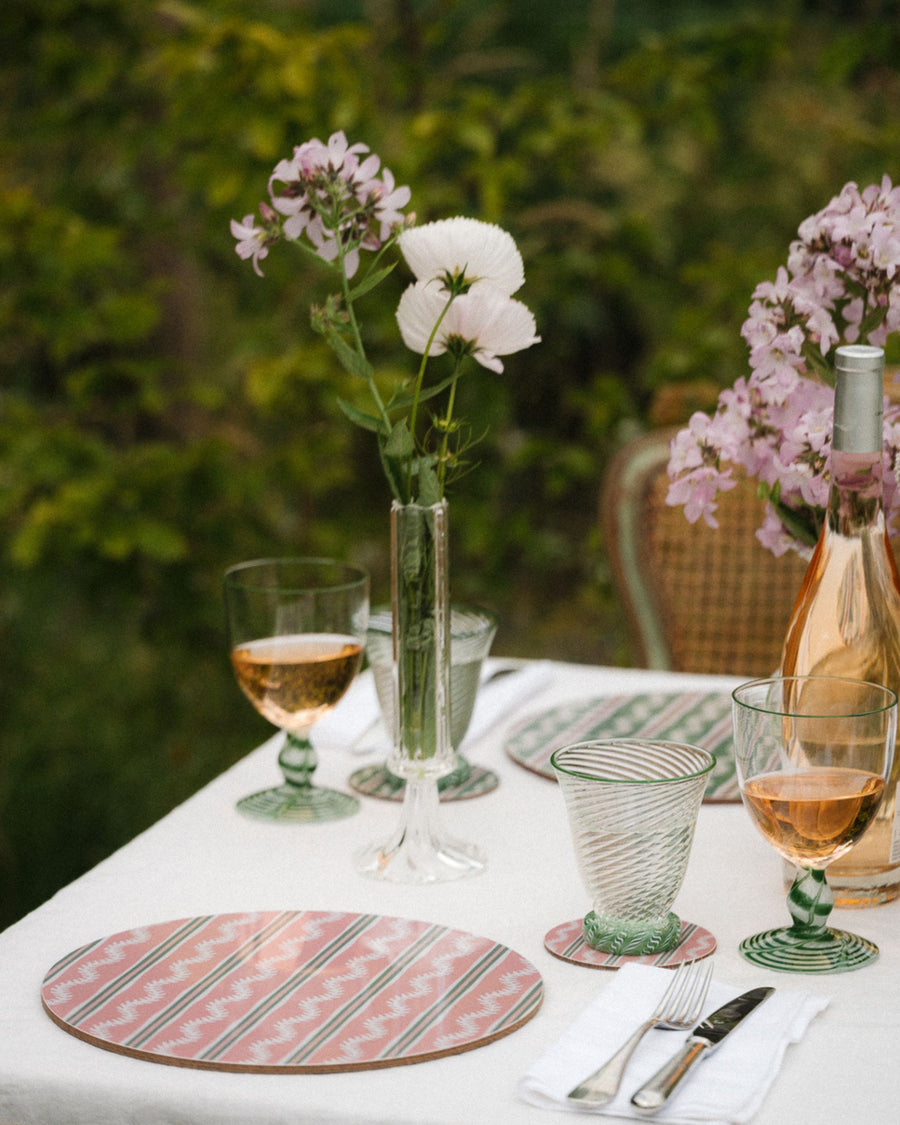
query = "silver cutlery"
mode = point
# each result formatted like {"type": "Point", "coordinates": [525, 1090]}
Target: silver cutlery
{"type": "Point", "coordinates": [678, 1010]}
{"type": "Point", "coordinates": [704, 1039]}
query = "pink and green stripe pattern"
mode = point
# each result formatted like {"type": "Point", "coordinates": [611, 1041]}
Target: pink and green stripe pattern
{"type": "Point", "coordinates": [291, 991]}
{"type": "Point", "coordinates": [700, 718]}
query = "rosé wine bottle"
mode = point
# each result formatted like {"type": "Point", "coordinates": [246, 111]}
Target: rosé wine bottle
{"type": "Point", "coordinates": [846, 620]}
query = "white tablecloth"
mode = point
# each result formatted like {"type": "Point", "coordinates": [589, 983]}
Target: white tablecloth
{"type": "Point", "coordinates": [205, 858]}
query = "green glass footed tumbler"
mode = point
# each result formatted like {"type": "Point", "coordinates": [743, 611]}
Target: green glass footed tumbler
{"type": "Point", "coordinates": [632, 806]}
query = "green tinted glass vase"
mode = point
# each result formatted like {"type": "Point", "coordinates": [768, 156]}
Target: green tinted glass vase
{"type": "Point", "coordinates": [419, 851]}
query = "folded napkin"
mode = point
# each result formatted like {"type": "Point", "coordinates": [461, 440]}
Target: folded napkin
{"type": "Point", "coordinates": [726, 1087]}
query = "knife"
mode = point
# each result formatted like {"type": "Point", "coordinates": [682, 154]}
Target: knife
{"type": "Point", "coordinates": [705, 1037]}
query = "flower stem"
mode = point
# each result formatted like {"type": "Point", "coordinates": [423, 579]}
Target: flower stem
{"type": "Point", "coordinates": [448, 418]}
{"type": "Point", "coordinates": [420, 377]}
{"type": "Point", "coordinates": [360, 347]}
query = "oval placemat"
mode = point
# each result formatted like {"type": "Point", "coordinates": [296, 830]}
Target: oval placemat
{"type": "Point", "coordinates": [700, 718]}
{"type": "Point", "coordinates": [278, 992]}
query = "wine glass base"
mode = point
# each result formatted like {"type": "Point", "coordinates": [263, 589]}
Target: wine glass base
{"type": "Point", "coordinates": [298, 806]}
{"type": "Point", "coordinates": [829, 951]}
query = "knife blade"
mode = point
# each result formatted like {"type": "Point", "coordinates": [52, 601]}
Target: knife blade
{"type": "Point", "coordinates": [705, 1037]}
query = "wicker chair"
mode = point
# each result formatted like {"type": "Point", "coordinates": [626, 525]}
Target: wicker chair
{"type": "Point", "coordinates": [697, 599]}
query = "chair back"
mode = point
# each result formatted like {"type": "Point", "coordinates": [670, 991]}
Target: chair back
{"type": "Point", "coordinates": [698, 599]}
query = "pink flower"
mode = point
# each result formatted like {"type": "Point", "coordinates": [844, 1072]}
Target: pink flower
{"type": "Point", "coordinates": [251, 241]}
{"type": "Point", "coordinates": [841, 284]}
{"type": "Point", "coordinates": [389, 202]}
{"type": "Point", "coordinates": [698, 490]}
{"type": "Point", "coordinates": [331, 195]}
{"type": "Point", "coordinates": [822, 330]}
{"type": "Point", "coordinates": [775, 538]}
{"type": "Point", "coordinates": [885, 246]}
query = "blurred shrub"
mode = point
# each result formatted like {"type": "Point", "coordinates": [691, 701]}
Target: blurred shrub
{"type": "Point", "coordinates": [163, 412]}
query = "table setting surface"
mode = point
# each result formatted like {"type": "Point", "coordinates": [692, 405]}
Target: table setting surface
{"type": "Point", "coordinates": [205, 859]}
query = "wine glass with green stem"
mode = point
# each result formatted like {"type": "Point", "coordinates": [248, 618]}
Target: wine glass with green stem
{"type": "Point", "coordinates": [813, 756]}
{"type": "Point", "coordinates": [296, 635]}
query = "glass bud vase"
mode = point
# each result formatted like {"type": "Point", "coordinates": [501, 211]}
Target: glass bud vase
{"type": "Point", "coordinates": [419, 851]}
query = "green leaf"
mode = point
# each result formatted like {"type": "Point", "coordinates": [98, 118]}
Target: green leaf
{"type": "Point", "coordinates": [350, 358]}
{"type": "Point", "coordinates": [400, 444]}
{"type": "Point", "coordinates": [404, 402]}
{"type": "Point", "coordinates": [429, 491]}
{"type": "Point", "coordinates": [804, 528]}
{"type": "Point", "coordinates": [360, 417]}
{"type": "Point", "coordinates": [370, 282]}
{"type": "Point", "coordinates": [396, 475]}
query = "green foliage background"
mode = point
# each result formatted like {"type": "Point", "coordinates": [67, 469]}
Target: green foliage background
{"type": "Point", "coordinates": [164, 413]}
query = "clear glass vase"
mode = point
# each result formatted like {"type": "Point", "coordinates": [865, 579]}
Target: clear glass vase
{"type": "Point", "coordinates": [419, 851]}
{"type": "Point", "coordinates": [472, 630]}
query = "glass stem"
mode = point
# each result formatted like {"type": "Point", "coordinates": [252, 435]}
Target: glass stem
{"type": "Point", "coordinates": [298, 760]}
{"type": "Point", "coordinates": [810, 901]}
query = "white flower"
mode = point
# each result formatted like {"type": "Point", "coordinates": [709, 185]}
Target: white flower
{"type": "Point", "coordinates": [466, 249]}
{"type": "Point", "coordinates": [332, 198]}
{"type": "Point", "coordinates": [485, 322]}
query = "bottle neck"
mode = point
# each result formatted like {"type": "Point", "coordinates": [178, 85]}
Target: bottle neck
{"type": "Point", "coordinates": [856, 497]}
{"type": "Point", "coordinates": [859, 403]}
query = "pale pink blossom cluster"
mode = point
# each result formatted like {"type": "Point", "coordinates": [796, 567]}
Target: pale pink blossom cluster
{"type": "Point", "coordinates": [841, 285]}
{"type": "Point", "coordinates": [329, 199]}
{"type": "Point", "coordinates": [331, 193]}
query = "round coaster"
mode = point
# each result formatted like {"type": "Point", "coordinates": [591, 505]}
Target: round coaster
{"type": "Point", "coordinates": [378, 781]}
{"type": "Point", "coordinates": [291, 991]}
{"type": "Point", "coordinates": [566, 941]}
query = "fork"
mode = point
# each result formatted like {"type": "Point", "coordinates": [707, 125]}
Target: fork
{"type": "Point", "coordinates": [678, 1010]}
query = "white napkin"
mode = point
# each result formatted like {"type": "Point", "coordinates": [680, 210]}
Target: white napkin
{"type": "Point", "coordinates": [727, 1087]}
{"type": "Point", "coordinates": [498, 697]}
{"type": "Point", "coordinates": [357, 712]}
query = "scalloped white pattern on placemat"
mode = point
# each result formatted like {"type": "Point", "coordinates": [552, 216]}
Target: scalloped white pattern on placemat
{"type": "Point", "coordinates": [288, 991]}
{"type": "Point", "coordinates": [700, 718]}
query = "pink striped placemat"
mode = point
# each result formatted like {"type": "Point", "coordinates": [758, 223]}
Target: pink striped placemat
{"type": "Point", "coordinates": [288, 991]}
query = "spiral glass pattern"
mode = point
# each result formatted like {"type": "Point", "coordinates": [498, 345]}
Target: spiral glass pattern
{"type": "Point", "coordinates": [632, 806]}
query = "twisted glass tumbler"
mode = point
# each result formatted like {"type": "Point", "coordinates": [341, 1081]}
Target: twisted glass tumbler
{"type": "Point", "coordinates": [632, 807]}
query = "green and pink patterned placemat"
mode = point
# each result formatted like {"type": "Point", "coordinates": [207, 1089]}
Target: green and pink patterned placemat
{"type": "Point", "coordinates": [700, 718]}
{"type": "Point", "coordinates": [283, 992]}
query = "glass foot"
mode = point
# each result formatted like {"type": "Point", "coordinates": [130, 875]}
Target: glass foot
{"type": "Point", "coordinates": [623, 937]}
{"type": "Point", "coordinates": [402, 861]}
{"type": "Point", "coordinates": [787, 950]}
{"type": "Point", "coordinates": [298, 806]}
{"type": "Point", "coordinates": [418, 852]}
